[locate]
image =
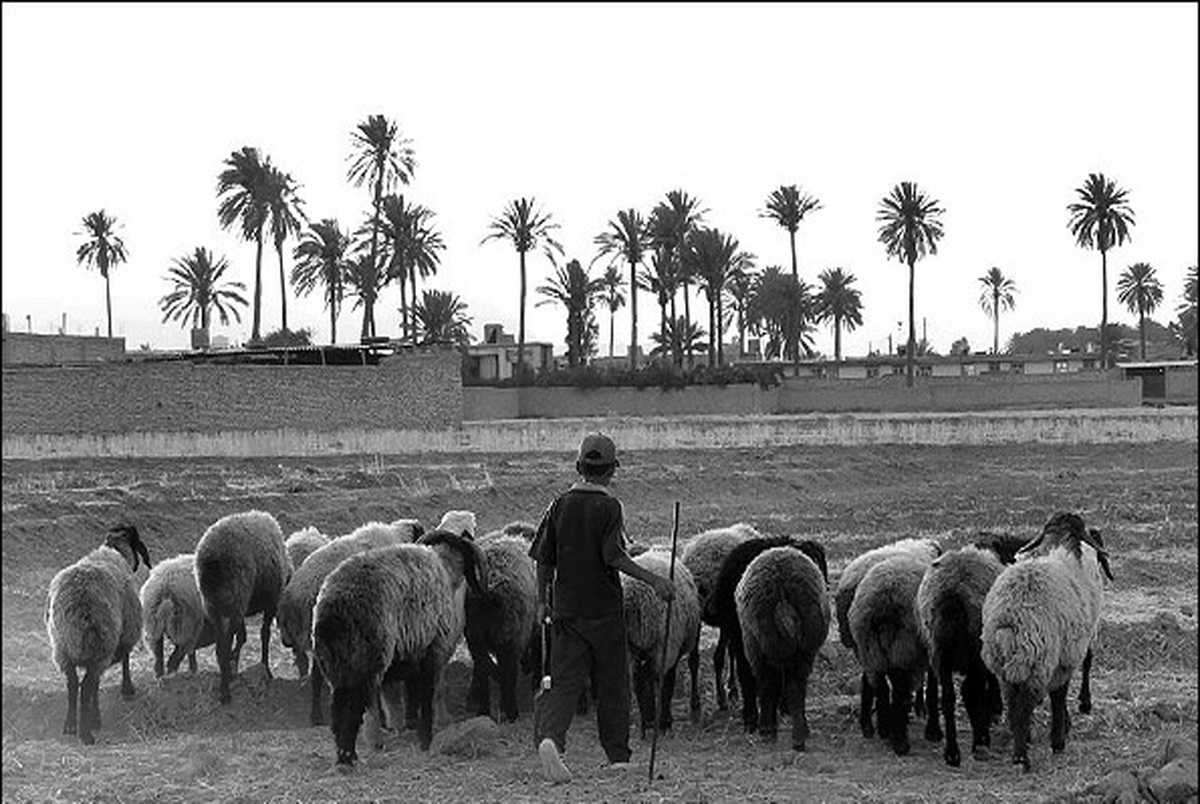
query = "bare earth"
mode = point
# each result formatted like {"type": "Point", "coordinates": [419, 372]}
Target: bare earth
{"type": "Point", "coordinates": [174, 743]}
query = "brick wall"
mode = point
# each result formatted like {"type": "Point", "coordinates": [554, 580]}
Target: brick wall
{"type": "Point", "coordinates": [417, 389]}
{"type": "Point", "coordinates": [56, 350]}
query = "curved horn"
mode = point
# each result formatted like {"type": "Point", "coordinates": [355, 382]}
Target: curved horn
{"type": "Point", "coordinates": [1032, 544]}
{"type": "Point", "coordinates": [1094, 539]}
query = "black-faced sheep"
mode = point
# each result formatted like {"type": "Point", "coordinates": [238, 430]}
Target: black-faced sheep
{"type": "Point", "coordinates": [301, 544]}
{"type": "Point", "coordinates": [391, 616]}
{"type": "Point", "coordinates": [783, 608]}
{"type": "Point", "coordinates": [721, 610]}
{"type": "Point", "coordinates": [501, 622]}
{"type": "Point", "coordinates": [300, 595]}
{"type": "Point", "coordinates": [171, 608]}
{"type": "Point", "coordinates": [241, 569]}
{"type": "Point", "coordinates": [1039, 620]}
{"type": "Point", "coordinates": [887, 638]}
{"type": "Point", "coordinates": [94, 619]}
{"type": "Point", "coordinates": [950, 614]}
{"type": "Point", "coordinates": [923, 548]}
{"type": "Point", "coordinates": [703, 555]}
{"type": "Point", "coordinates": [645, 625]}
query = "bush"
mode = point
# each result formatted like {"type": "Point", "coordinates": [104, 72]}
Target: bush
{"type": "Point", "coordinates": [283, 337]}
{"type": "Point", "coordinates": [654, 375]}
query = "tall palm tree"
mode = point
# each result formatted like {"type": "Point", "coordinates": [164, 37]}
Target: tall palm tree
{"type": "Point", "coordinates": [840, 304]}
{"type": "Point", "coordinates": [413, 246]}
{"type": "Point", "coordinates": [740, 287]}
{"type": "Point", "coordinates": [710, 257]}
{"type": "Point", "coordinates": [285, 208]}
{"type": "Point", "coordinates": [1185, 325]}
{"type": "Point", "coordinates": [364, 281]}
{"type": "Point", "coordinates": [911, 228]}
{"type": "Point", "coordinates": [321, 258]}
{"type": "Point", "coordinates": [1101, 219]}
{"type": "Point", "coordinates": [577, 292]}
{"type": "Point", "coordinates": [660, 280]}
{"type": "Point", "coordinates": [784, 305]}
{"type": "Point", "coordinates": [525, 228]}
{"type": "Point", "coordinates": [440, 317]}
{"type": "Point", "coordinates": [787, 206]}
{"type": "Point", "coordinates": [381, 157]}
{"type": "Point", "coordinates": [614, 299]}
{"type": "Point", "coordinates": [670, 223]}
{"type": "Point", "coordinates": [198, 291]}
{"type": "Point", "coordinates": [997, 295]}
{"type": "Point", "coordinates": [103, 249]}
{"type": "Point", "coordinates": [627, 238]}
{"type": "Point", "coordinates": [244, 193]}
{"type": "Point", "coordinates": [1140, 291]}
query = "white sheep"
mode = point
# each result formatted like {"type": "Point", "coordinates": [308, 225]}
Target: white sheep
{"type": "Point", "coordinates": [501, 622]}
{"type": "Point", "coordinates": [1039, 620]}
{"type": "Point", "coordinates": [703, 555]}
{"type": "Point", "coordinates": [645, 625]}
{"type": "Point", "coordinates": [887, 638]}
{"type": "Point", "coordinates": [241, 569]}
{"type": "Point", "coordinates": [300, 595]}
{"type": "Point", "coordinates": [388, 616]}
{"type": "Point", "coordinates": [782, 603]}
{"type": "Point", "coordinates": [301, 544]}
{"type": "Point", "coordinates": [94, 619]}
{"type": "Point", "coordinates": [171, 608]}
{"type": "Point", "coordinates": [458, 522]}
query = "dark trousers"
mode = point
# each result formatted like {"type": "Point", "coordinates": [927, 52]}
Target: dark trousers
{"type": "Point", "coordinates": [576, 646]}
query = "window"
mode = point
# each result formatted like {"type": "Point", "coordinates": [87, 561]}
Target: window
{"type": "Point", "coordinates": [1088, 365]}
{"type": "Point", "coordinates": [872, 372]}
{"type": "Point", "coordinates": [924, 371]}
{"type": "Point", "coordinates": [1017, 368]}
{"type": "Point", "coordinates": [1061, 367]}
{"type": "Point", "coordinates": [897, 370]}
{"type": "Point", "coordinates": [993, 368]}
{"type": "Point", "coordinates": [968, 369]}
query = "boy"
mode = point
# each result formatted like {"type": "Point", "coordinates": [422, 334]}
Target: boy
{"type": "Point", "coordinates": [579, 548]}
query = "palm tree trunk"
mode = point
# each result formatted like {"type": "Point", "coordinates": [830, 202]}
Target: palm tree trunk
{"type": "Point", "coordinates": [712, 335]}
{"type": "Point", "coordinates": [108, 302]}
{"type": "Point", "coordinates": [837, 338]}
{"type": "Point", "coordinates": [912, 326]}
{"type": "Point", "coordinates": [368, 308]}
{"type": "Point", "coordinates": [521, 325]}
{"type": "Point", "coordinates": [403, 307]}
{"type": "Point", "coordinates": [332, 323]}
{"type": "Point", "coordinates": [676, 356]}
{"type": "Point", "coordinates": [996, 321]}
{"type": "Point", "coordinates": [633, 315]}
{"type": "Point", "coordinates": [720, 333]}
{"type": "Point", "coordinates": [282, 284]}
{"type": "Point", "coordinates": [687, 321]}
{"type": "Point", "coordinates": [256, 329]}
{"type": "Point", "coordinates": [612, 318]}
{"type": "Point", "coordinates": [1103, 308]}
{"type": "Point", "coordinates": [795, 269]}
{"type": "Point", "coordinates": [412, 280]}
{"type": "Point", "coordinates": [1142, 329]}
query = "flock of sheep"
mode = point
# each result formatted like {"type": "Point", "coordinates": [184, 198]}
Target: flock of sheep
{"type": "Point", "coordinates": [381, 610]}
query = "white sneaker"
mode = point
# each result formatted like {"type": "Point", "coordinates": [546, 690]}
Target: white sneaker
{"type": "Point", "coordinates": [552, 765]}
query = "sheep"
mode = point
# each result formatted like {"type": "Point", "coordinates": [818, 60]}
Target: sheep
{"type": "Point", "coordinates": [501, 622]}
{"type": "Point", "coordinates": [883, 624]}
{"type": "Point", "coordinates": [1039, 620]}
{"type": "Point", "coordinates": [462, 522]}
{"type": "Point", "coordinates": [721, 609]}
{"type": "Point", "coordinates": [390, 615]}
{"type": "Point", "coordinates": [703, 555]}
{"type": "Point", "coordinates": [782, 603]}
{"type": "Point", "coordinates": [300, 594]}
{"type": "Point", "coordinates": [645, 623]}
{"type": "Point", "coordinates": [242, 567]}
{"type": "Point", "coordinates": [94, 619]}
{"type": "Point", "coordinates": [171, 607]}
{"type": "Point", "coordinates": [851, 575]}
{"type": "Point", "coordinates": [950, 616]}
{"type": "Point", "coordinates": [302, 543]}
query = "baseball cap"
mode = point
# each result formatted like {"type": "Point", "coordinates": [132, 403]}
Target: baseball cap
{"type": "Point", "coordinates": [597, 449]}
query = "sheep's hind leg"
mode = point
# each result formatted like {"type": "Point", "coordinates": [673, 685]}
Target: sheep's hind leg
{"type": "Point", "coordinates": [902, 695]}
{"type": "Point", "coordinates": [427, 679]}
{"type": "Point", "coordinates": [89, 706]}
{"type": "Point", "coordinates": [176, 658]}
{"type": "Point", "coordinates": [127, 690]}
{"type": "Point", "coordinates": [933, 732]}
{"type": "Point", "coordinates": [316, 681]}
{"type": "Point", "coordinates": [1060, 719]}
{"type": "Point", "coordinates": [797, 693]}
{"type": "Point", "coordinates": [719, 670]}
{"type": "Point", "coordinates": [951, 752]}
{"type": "Point", "coordinates": [157, 647]}
{"type": "Point", "coordinates": [72, 699]}
{"type": "Point", "coordinates": [507, 663]}
{"type": "Point", "coordinates": [694, 690]}
{"type": "Point", "coordinates": [977, 690]}
{"type": "Point", "coordinates": [665, 716]}
{"type": "Point", "coordinates": [865, 702]}
{"type": "Point", "coordinates": [768, 701]}
{"type": "Point", "coordinates": [266, 641]}
{"type": "Point", "coordinates": [1019, 701]}
{"type": "Point", "coordinates": [1085, 685]}
{"type": "Point", "coordinates": [225, 657]}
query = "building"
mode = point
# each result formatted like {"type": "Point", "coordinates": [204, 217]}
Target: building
{"type": "Point", "coordinates": [34, 349]}
{"type": "Point", "coordinates": [495, 357]}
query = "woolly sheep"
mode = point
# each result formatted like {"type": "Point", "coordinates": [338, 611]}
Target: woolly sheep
{"type": "Point", "coordinates": [883, 623]}
{"type": "Point", "coordinates": [1039, 620]}
{"type": "Point", "coordinates": [645, 623]}
{"type": "Point", "coordinates": [171, 608]}
{"type": "Point", "coordinates": [301, 544]}
{"type": "Point", "coordinates": [950, 615]}
{"type": "Point", "coordinates": [296, 603]}
{"type": "Point", "coordinates": [721, 610]}
{"type": "Point", "coordinates": [703, 555]}
{"type": "Point", "coordinates": [458, 522]}
{"type": "Point", "coordinates": [94, 619]}
{"type": "Point", "coordinates": [241, 569]}
{"type": "Point", "coordinates": [852, 574]}
{"type": "Point", "coordinates": [500, 622]}
{"type": "Point", "coordinates": [782, 606]}
{"type": "Point", "coordinates": [390, 615]}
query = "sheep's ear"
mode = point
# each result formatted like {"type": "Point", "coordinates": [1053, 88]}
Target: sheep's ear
{"type": "Point", "coordinates": [140, 547]}
{"type": "Point", "coordinates": [1094, 540]}
{"type": "Point", "coordinates": [418, 530]}
{"type": "Point", "coordinates": [1033, 544]}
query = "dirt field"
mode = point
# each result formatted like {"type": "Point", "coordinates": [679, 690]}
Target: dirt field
{"type": "Point", "coordinates": [174, 743]}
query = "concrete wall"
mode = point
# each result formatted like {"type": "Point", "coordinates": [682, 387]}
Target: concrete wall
{"type": "Point", "coordinates": [419, 389]}
{"type": "Point", "coordinates": [1181, 385]}
{"type": "Point", "coordinates": [23, 348]}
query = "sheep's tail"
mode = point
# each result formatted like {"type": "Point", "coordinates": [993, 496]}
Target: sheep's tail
{"type": "Point", "coordinates": [956, 629]}
{"type": "Point", "coordinates": [788, 622]}
{"type": "Point", "coordinates": [1007, 657]}
{"type": "Point", "coordinates": [161, 617]}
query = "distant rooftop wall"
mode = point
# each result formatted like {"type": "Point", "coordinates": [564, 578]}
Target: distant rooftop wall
{"type": "Point", "coordinates": [23, 348]}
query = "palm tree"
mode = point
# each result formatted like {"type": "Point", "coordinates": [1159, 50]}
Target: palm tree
{"type": "Point", "coordinates": [198, 291]}
{"type": "Point", "coordinates": [840, 304]}
{"type": "Point", "coordinates": [997, 295]}
{"type": "Point", "coordinates": [103, 249]}
{"type": "Point", "coordinates": [670, 224]}
{"type": "Point", "coordinates": [1101, 219]}
{"type": "Point", "coordinates": [740, 287]}
{"type": "Point", "coordinates": [363, 281]}
{"type": "Point", "coordinates": [627, 238]}
{"type": "Point", "coordinates": [787, 206]}
{"type": "Point", "coordinates": [525, 228]}
{"type": "Point", "coordinates": [911, 228]}
{"type": "Point", "coordinates": [1185, 326]}
{"type": "Point", "coordinates": [286, 210]}
{"type": "Point", "coordinates": [244, 193]}
{"type": "Point", "coordinates": [784, 305]}
{"type": "Point", "coordinates": [676, 335]}
{"type": "Point", "coordinates": [710, 257]}
{"type": "Point", "coordinates": [614, 298]}
{"type": "Point", "coordinates": [1140, 291]}
{"type": "Point", "coordinates": [440, 317]}
{"type": "Point", "coordinates": [577, 292]}
{"type": "Point", "coordinates": [413, 246]}
{"type": "Point", "coordinates": [660, 281]}
{"type": "Point", "coordinates": [381, 157]}
{"type": "Point", "coordinates": [321, 259]}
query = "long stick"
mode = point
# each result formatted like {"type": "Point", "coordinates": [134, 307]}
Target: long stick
{"type": "Point", "coordinates": [666, 637]}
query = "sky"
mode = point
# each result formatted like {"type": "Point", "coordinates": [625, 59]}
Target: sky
{"type": "Point", "coordinates": [997, 111]}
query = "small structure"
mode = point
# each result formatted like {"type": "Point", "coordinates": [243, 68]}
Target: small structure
{"type": "Point", "coordinates": [34, 349]}
{"type": "Point", "coordinates": [1165, 382]}
{"type": "Point", "coordinates": [496, 356]}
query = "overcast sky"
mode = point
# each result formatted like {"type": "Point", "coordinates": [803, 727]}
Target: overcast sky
{"type": "Point", "coordinates": [996, 111]}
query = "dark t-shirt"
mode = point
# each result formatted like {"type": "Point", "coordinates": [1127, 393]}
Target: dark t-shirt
{"type": "Point", "coordinates": [580, 535]}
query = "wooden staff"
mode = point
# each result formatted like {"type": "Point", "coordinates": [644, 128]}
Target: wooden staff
{"type": "Point", "coordinates": [666, 637]}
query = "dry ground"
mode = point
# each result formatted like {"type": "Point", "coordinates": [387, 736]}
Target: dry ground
{"type": "Point", "coordinates": [174, 743]}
